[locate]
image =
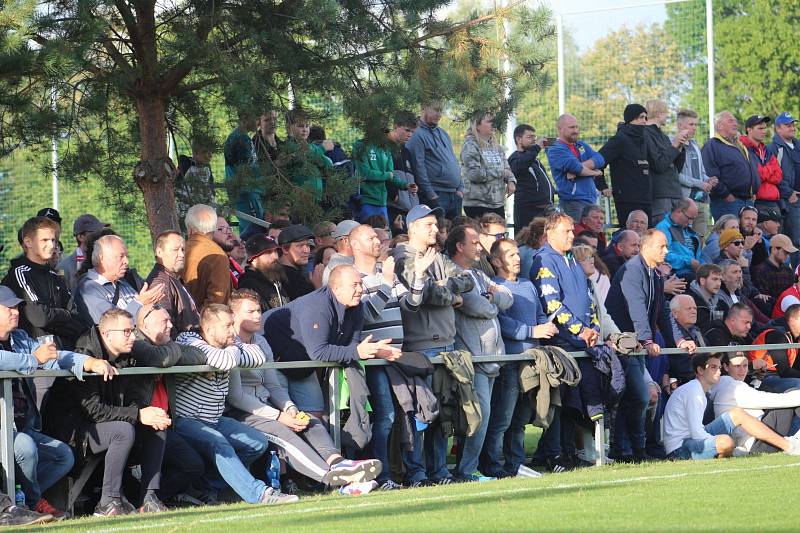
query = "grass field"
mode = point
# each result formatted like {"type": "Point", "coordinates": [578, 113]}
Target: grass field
{"type": "Point", "coordinates": [746, 494]}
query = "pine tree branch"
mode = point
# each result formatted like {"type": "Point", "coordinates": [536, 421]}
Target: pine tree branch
{"type": "Point", "coordinates": [428, 36]}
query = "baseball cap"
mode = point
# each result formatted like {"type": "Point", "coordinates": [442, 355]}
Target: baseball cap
{"type": "Point", "coordinates": [258, 244]}
{"type": "Point", "coordinates": [421, 211]}
{"type": "Point", "coordinates": [728, 236]}
{"type": "Point", "coordinates": [784, 242]}
{"type": "Point", "coordinates": [8, 298]}
{"type": "Point", "coordinates": [87, 223]}
{"type": "Point", "coordinates": [50, 213]}
{"type": "Point", "coordinates": [344, 228]}
{"type": "Point", "coordinates": [769, 214]}
{"type": "Point", "coordinates": [785, 118]}
{"type": "Point", "coordinates": [294, 233]}
{"type": "Point", "coordinates": [756, 119]}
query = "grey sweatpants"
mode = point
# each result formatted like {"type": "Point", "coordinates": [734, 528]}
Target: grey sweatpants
{"type": "Point", "coordinates": [307, 451]}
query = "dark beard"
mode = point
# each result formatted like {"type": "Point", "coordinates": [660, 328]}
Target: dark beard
{"type": "Point", "coordinates": [227, 247]}
{"type": "Point", "coordinates": [275, 273]}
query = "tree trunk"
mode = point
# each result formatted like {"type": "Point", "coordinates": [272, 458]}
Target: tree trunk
{"type": "Point", "coordinates": [155, 172]}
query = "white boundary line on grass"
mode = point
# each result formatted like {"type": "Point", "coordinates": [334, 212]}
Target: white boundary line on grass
{"type": "Point", "coordinates": [184, 521]}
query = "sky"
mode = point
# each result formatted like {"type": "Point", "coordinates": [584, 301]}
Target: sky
{"type": "Point", "coordinates": [591, 19]}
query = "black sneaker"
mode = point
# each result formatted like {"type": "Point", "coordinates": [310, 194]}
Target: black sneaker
{"type": "Point", "coordinates": [443, 481]}
{"type": "Point", "coordinates": [114, 507]}
{"type": "Point", "coordinates": [17, 516]}
{"type": "Point", "coordinates": [559, 464]}
{"type": "Point", "coordinates": [421, 483]}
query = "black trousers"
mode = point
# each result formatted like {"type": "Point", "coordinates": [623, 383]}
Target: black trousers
{"type": "Point", "coordinates": [524, 214]}
{"type": "Point", "coordinates": [624, 209]}
{"type": "Point", "coordinates": [477, 211]}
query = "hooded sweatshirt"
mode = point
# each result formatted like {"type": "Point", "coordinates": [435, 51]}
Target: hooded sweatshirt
{"type": "Point", "coordinates": [483, 168]}
{"type": "Point", "coordinates": [375, 170]}
{"type": "Point", "coordinates": [435, 164]}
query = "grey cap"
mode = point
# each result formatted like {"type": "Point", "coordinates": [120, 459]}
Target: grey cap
{"type": "Point", "coordinates": [8, 298]}
{"type": "Point", "coordinates": [87, 223]}
{"type": "Point", "coordinates": [421, 211]}
{"type": "Point", "coordinates": [344, 228]}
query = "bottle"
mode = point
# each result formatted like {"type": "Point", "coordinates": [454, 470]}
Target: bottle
{"type": "Point", "coordinates": [19, 497]}
{"type": "Point", "coordinates": [274, 471]}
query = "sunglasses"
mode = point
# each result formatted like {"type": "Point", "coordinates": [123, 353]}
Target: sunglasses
{"type": "Point", "coordinates": [497, 236]}
{"type": "Point", "coordinates": [738, 243]}
{"type": "Point", "coordinates": [748, 208]}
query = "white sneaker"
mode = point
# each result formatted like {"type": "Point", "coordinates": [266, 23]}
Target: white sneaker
{"type": "Point", "coordinates": [794, 445]}
{"type": "Point", "coordinates": [524, 471]}
{"type": "Point", "coordinates": [359, 488]}
{"type": "Point", "coordinates": [276, 497]}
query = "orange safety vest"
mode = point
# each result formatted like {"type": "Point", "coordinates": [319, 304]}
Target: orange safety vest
{"type": "Point", "coordinates": [791, 353]}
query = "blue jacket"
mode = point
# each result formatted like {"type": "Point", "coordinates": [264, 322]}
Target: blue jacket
{"type": "Point", "coordinates": [435, 165]}
{"type": "Point", "coordinates": [563, 161]}
{"type": "Point", "coordinates": [564, 294]}
{"type": "Point", "coordinates": [680, 255]}
{"type": "Point", "coordinates": [314, 327]}
{"type": "Point", "coordinates": [789, 159]}
{"type": "Point", "coordinates": [21, 359]}
{"type": "Point", "coordinates": [517, 322]}
{"type": "Point", "coordinates": [636, 301]}
{"type": "Point", "coordinates": [736, 171]}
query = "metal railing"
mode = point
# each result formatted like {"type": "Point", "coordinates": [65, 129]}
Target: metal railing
{"type": "Point", "coordinates": [334, 389]}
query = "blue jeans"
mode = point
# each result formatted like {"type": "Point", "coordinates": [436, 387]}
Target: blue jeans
{"type": "Point", "coordinates": [380, 398]}
{"type": "Point", "coordinates": [630, 423]}
{"type": "Point", "coordinates": [473, 444]}
{"type": "Point", "coordinates": [450, 202]}
{"type": "Point", "coordinates": [573, 208]}
{"type": "Point", "coordinates": [368, 210]}
{"type": "Point", "coordinates": [232, 447]}
{"type": "Point", "coordinates": [41, 462]}
{"type": "Point", "coordinates": [775, 383]}
{"type": "Point", "coordinates": [505, 396]}
{"type": "Point", "coordinates": [721, 207]}
{"type": "Point", "coordinates": [698, 449]}
{"type": "Point", "coordinates": [435, 439]}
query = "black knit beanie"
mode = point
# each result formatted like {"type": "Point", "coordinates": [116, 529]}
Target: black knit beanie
{"type": "Point", "coordinates": [632, 111]}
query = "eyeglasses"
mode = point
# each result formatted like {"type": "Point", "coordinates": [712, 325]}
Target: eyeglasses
{"type": "Point", "coordinates": [687, 216]}
{"type": "Point", "coordinates": [126, 332]}
{"type": "Point", "coordinates": [497, 236]}
{"type": "Point", "coordinates": [156, 307]}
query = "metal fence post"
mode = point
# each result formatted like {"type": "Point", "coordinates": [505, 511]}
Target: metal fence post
{"type": "Point", "coordinates": [334, 415]}
{"type": "Point", "coordinates": [600, 442]}
{"type": "Point", "coordinates": [7, 441]}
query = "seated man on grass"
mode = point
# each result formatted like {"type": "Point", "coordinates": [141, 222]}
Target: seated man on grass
{"type": "Point", "coordinates": [685, 436]}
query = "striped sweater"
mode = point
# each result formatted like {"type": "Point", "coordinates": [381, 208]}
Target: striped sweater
{"type": "Point", "coordinates": [382, 304]}
{"type": "Point", "coordinates": [202, 396]}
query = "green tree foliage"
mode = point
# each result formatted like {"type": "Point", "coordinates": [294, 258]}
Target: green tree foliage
{"type": "Point", "coordinates": [757, 69]}
{"type": "Point", "coordinates": [128, 71]}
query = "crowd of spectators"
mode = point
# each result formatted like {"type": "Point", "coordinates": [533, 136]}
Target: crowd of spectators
{"type": "Point", "coordinates": [424, 268]}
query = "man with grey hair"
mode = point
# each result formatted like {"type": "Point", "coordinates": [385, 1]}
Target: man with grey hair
{"type": "Point", "coordinates": [683, 314]}
{"type": "Point", "coordinates": [683, 243]}
{"type": "Point", "coordinates": [206, 273]}
{"type": "Point", "coordinates": [725, 157]}
{"type": "Point", "coordinates": [109, 284]}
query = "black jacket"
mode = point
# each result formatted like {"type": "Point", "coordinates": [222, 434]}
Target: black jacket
{"type": "Point", "coordinates": [613, 260]}
{"type": "Point", "coordinates": [298, 282]}
{"type": "Point", "coordinates": [47, 309]}
{"type": "Point", "coordinates": [74, 406]}
{"type": "Point", "coordinates": [626, 155]}
{"type": "Point", "coordinates": [665, 163]}
{"type": "Point", "coordinates": [718, 334]}
{"type": "Point", "coordinates": [176, 300]}
{"type": "Point", "coordinates": [534, 188]}
{"type": "Point", "coordinates": [271, 293]}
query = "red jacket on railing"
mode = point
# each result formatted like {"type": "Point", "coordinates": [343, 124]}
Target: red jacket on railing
{"type": "Point", "coordinates": [769, 170]}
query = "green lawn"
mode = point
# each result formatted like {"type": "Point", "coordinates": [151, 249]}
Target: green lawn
{"type": "Point", "coordinates": [746, 494]}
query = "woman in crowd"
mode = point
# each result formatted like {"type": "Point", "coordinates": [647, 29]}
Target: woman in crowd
{"type": "Point", "coordinates": [488, 180]}
{"type": "Point", "coordinates": [711, 249]}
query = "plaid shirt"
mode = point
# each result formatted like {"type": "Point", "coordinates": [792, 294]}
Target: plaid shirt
{"type": "Point", "coordinates": [770, 279]}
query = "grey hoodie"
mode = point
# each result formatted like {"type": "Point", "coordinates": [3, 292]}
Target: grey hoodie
{"type": "Point", "coordinates": [482, 169]}
{"type": "Point", "coordinates": [433, 325]}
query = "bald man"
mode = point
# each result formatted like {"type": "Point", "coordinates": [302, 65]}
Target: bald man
{"type": "Point", "coordinates": [574, 165]}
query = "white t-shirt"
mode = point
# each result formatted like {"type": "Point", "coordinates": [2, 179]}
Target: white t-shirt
{"type": "Point", "coordinates": [683, 417]}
